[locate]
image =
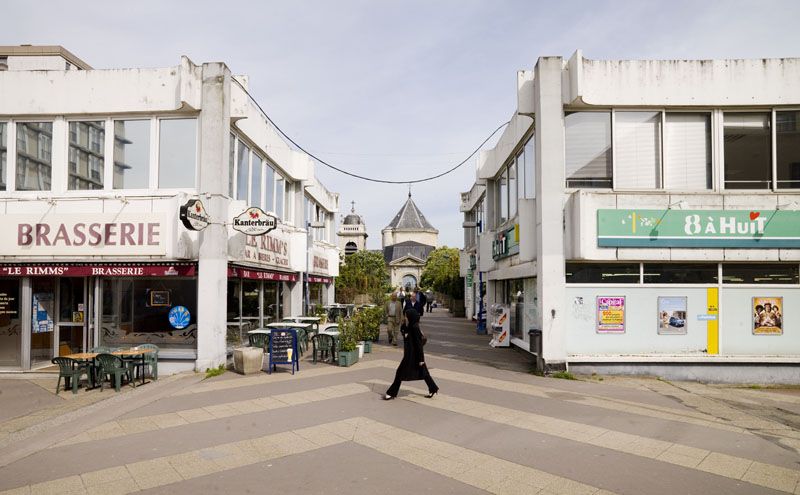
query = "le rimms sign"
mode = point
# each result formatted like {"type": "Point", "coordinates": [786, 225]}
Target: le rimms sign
{"type": "Point", "coordinates": [699, 228]}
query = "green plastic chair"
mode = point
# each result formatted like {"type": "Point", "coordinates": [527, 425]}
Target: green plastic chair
{"type": "Point", "coordinates": [70, 370]}
{"type": "Point", "coordinates": [151, 359]}
{"type": "Point", "coordinates": [302, 340]}
{"type": "Point", "coordinates": [322, 345]}
{"type": "Point", "coordinates": [259, 340]}
{"type": "Point", "coordinates": [108, 365]}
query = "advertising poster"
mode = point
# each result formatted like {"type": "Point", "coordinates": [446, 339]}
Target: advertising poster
{"type": "Point", "coordinates": [611, 314]}
{"type": "Point", "coordinates": [767, 316]}
{"type": "Point", "coordinates": [42, 312]}
{"type": "Point", "coordinates": [672, 315]}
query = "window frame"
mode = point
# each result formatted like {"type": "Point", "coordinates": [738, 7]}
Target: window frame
{"type": "Point", "coordinates": [773, 152]}
{"type": "Point", "coordinates": [775, 149]}
{"type": "Point", "coordinates": [157, 177]}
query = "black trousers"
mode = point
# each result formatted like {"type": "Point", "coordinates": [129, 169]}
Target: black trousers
{"type": "Point", "coordinates": [395, 387]}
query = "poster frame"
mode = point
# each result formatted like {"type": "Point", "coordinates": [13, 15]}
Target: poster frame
{"type": "Point", "coordinates": [598, 324]}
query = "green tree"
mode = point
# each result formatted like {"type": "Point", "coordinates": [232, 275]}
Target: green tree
{"type": "Point", "coordinates": [441, 273]}
{"type": "Point", "coordinates": [363, 272]}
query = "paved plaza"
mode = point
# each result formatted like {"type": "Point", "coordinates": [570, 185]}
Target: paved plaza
{"type": "Point", "coordinates": [492, 429]}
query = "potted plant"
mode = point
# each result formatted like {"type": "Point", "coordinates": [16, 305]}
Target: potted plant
{"type": "Point", "coordinates": [348, 352]}
{"type": "Point", "coordinates": [321, 313]}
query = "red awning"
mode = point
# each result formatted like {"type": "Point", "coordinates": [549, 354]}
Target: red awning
{"type": "Point", "coordinates": [98, 270]}
{"type": "Point", "coordinates": [319, 280]}
{"type": "Point", "coordinates": [254, 274]}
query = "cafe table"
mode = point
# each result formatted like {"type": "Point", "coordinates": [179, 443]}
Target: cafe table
{"type": "Point", "coordinates": [88, 357]}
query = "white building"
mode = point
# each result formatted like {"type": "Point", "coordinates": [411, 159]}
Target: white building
{"type": "Point", "coordinates": [352, 234]}
{"type": "Point", "coordinates": [94, 167]}
{"type": "Point", "coordinates": [644, 216]}
{"type": "Point", "coordinates": [407, 241]}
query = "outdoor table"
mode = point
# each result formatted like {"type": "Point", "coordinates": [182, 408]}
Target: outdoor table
{"type": "Point", "coordinates": [132, 353]}
{"type": "Point", "coordinates": [88, 358]}
{"type": "Point", "coordinates": [259, 330]}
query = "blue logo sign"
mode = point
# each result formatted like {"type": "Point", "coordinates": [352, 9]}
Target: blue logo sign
{"type": "Point", "coordinates": [706, 317]}
{"type": "Point", "coordinates": [179, 317]}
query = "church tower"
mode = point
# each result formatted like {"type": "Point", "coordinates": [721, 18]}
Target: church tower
{"type": "Point", "coordinates": [407, 241]}
{"type": "Point", "coordinates": [352, 233]}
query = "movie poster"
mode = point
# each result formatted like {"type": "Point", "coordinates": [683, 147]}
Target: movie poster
{"type": "Point", "coordinates": [611, 314]}
{"type": "Point", "coordinates": [672, 315]}
{"type": "Point", "coordinates": [767, 316]}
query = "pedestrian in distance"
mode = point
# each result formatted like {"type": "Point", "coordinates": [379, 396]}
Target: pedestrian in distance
{"type": "Point", "coordinates": [428, 301]}
{"type": "Point", "coordinates": [423, 300]}
{"type": "Point", "coordinates": [408, 302]}
{"type": "Point", "coordinates": [394, 314]}
{"type": "Point", "coordinates": [412, 367]}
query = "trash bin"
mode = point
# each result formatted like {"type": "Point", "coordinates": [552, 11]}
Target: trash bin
{"type": "Point", "coordinates": [535, 339]}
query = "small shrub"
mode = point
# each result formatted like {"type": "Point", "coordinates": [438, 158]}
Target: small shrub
{"type": "Point", "coordinates": [564, 375]}
{"type": "Point", "coordinates": [212, 372]}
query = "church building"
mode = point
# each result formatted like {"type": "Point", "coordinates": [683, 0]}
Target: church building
{"type": "Point", "coordinates": [407, 241]}
{"type": "Point", "coordinates": [352, 234]}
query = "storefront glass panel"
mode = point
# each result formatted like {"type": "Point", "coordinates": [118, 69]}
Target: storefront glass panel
{"type": "Point", "coordinates": [250, 304]}
{"type": "Point", "coordinates": [684, 273]}
{"type": "Point", "coordinates": [42, 320]}
{"type": "Point", "coordinates": [760, 274]}
{"type": "Point", "coordinates": [10, 324]}
{"type": "Point", "coordinates": [602, 273]}
{"type": "Point", "coordinates": [137, 311]}
{"type": "Point", "coordinates": [272, 310]}
{"type": "Point", "coordinates": [71, 315]}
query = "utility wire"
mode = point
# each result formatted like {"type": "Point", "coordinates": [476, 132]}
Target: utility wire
{"type": "Point", "coordinates": [362, 177]}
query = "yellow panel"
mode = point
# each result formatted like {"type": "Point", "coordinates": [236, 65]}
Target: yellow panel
{"type": "Point", "coordinates": [712, 301]}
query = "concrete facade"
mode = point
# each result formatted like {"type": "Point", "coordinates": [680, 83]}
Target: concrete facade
{"type": "Point", "coordinates": [537, 245]}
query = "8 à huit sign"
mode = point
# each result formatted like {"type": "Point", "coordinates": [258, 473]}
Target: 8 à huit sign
{"type": "Point", "coordinates": [699, 228]}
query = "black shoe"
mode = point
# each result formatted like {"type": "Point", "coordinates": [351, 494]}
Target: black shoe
{"type": "Point", "coordinates": [387, 397]}
{"type": "Point", "coordinates": [430, 395]}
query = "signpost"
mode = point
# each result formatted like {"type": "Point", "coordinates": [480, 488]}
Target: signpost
{"type": "Point", "coordinates": [193, 215]}
{"type": "Point", "coordinates": [283, 348]}
{"type": "Point", "coordinates": [699, 228]}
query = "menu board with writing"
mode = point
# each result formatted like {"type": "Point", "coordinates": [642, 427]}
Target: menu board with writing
{"type": "Point", "coordinates": [283, 348]}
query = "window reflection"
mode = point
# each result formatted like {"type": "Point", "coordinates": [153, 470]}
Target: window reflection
{"type": "Point", "coordinates": [34, 156]}
{"type": "Point", "coordinates": [131, 154]}
{"type": "Point", "coordinates": [86, 155]}
{"type": "Point", "coordinates": [177, 161]}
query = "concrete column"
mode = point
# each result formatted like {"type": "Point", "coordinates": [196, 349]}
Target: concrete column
{"type": "Point", "coordinates": [329, 294]}
{"type": "Point", "coordinates": [550, 208]}
{"type": "Point", "coordinates": [293, 298]}
{"type": "Point", "coordinates": [212, 280]}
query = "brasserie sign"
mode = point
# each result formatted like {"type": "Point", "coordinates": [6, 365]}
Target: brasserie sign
{"type": "Point", "coordinates": [699, 228]}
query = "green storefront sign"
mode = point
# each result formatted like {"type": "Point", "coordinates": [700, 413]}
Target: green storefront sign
{"type": "Point", "coordinates": [506, 243]}
{"type": "Point", "coordinates": [699, 228]}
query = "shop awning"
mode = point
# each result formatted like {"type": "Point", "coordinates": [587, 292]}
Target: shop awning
{"type": "Point", "coordinates": [256, 274]}
{"type": "Point", "coordinates": [98, 269]}
{"type": "Point", "coordinates": [316, 279]}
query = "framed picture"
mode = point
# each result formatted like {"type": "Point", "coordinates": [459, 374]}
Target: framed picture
{"type": "Point", "coordinates": [611, 314]}
{"type": "Point", "coordinates": [77, 317]}
{"type": "Point", "coordinates": [767, 316]}
{"type": "Point", "coordinates": [159, 298]}
{"type": "Point", "coordinates": [672, 315]}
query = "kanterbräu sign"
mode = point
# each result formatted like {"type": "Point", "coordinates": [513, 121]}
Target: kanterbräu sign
{"type": "Point", "coordinates": [699, 228]}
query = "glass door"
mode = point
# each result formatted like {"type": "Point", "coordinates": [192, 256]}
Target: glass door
{"type": "Point", "coordinates": [10, 324]}
{"type": "Point", "coordinates": [42, 320]}
{"type": "Point", "coordinates": [71, 315]}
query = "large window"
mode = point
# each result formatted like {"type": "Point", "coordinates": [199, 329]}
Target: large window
{"type": "Point", "coordinates": [177, 156]}
{"type": "Point", "coordinates": [3, 153]}
{"type": "Point", "coordinates": [602, 273]}
{"type": "Point", "coordinates": [530, 167]}
{"type": "Point", "coordinates": [690, 273]}
{"type": "Point", "coordinates": [502, 198]}
{"type": "Point", "coordinates": [269, 187]}
{"type": "Point", "coordinates": [129, 318]}
{"type": "Point", "coordinates": [256, 182]}
{"type": "Point", "coordinates": [86, 155]}
{"type": "Point", "coordinates": [760, 273]}
{"type": "Point", "coordinates": [588, 149]}
{"type": "Point", "coordinates": [242, 171]}
{"type": "Point", "coordinates": [637, 145]}
{"type": "Point", "coordinates": [131, 154]}
{"type": "Point", "coordinates": [34, 156]}
{"type": "Point", "coordinates": [787, 140]}
{"type": "Point", "coordinates": [687, 151]}
{"type": "Point", "coordinates": [748, 151]}
{"type": "Point", "coordinates": [512, 189]}
{"type": "Point", "coordinates": [280, 190]}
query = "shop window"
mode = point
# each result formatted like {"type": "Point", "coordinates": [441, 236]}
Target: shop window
{"type": "Point", "coordinates": [86, 155]}
{"type": "Point", "coordinates": [242, 171]}
{"type": "Point", "coordinates": [602, 273]}
{"type": "Point", "coordinates": [787, 141]}
{"type": "Point", "coordinates": [236, 335]}
{"type": "Point", "coordinates": [760, 274]}
{"type": "Point", "coordinates": [131, 154]}
{"type": "Point", "coordinates": [691, 273]}
{"type": "Point", "coordinates": [34, 156]}
{"type": "Point", "coordinates": [637, 145]}
{"type": "Point", "coordinates": [687, 151]}
{"type": "Point", "coordinates": [3, 153]}
{"type": "Point", "coordinates": [10, 323]}
{"type": "Point", "coordinates": [255, 182]}
{"type": "Point", "coordinates": [588, 149]}
{"type": "Point", "coordinates": [251, 314]}
{"type": "Point", "coordinates": [177, 155]}
{"type": "Point", "coordinates": [748, 155]}
{"type": "Point", "coordinates": [131, 315]}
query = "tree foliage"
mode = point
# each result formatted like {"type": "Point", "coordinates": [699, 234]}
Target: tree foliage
{"type": "Point", "coordinates": [363, 272]}
{"type": "Point", "coordinates": [441, 272]}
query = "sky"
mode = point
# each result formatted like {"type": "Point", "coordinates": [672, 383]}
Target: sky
{"type": "Point", "coordinates": [397, 89]}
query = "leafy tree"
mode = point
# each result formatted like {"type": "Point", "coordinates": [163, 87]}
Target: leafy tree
{"type": "Point", "coordinates": [363, 272]}
{"type": "Point", "coordinates": [441, 272]}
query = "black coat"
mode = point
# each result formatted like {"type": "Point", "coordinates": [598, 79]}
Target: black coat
{"type": "Point", "coordinates": [413, 354]}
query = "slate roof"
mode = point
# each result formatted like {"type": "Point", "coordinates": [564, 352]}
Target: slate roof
{"type": "Point", "coordinates": [410, 218]}
{"type": "Point", "coordinates": [402, 249]}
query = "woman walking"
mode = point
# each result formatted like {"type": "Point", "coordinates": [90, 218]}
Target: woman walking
{"type": "Point", "coordinates": [412, 367]}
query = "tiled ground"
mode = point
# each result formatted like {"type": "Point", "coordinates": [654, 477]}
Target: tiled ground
{"type": "Point", "coordinates": [491, 430]}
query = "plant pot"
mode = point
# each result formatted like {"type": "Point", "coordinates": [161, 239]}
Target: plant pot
{"type": "Point", "coordinates": [348, 358]}
{"type": "Point", "coordinates": [247, 360]}
{"type": "Point", "coordinates": [367, 346]}
{"type": "Point", "coordinates": [360, 346]}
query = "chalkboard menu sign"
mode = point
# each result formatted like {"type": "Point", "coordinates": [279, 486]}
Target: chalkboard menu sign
{"type": "Point", "coordinates": [283, 348]}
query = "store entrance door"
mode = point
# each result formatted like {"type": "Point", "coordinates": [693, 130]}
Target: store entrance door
{"type": "Point", "coordinates": [71, 331]}
{"type": "Point", "coordinates": [43, 312]}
